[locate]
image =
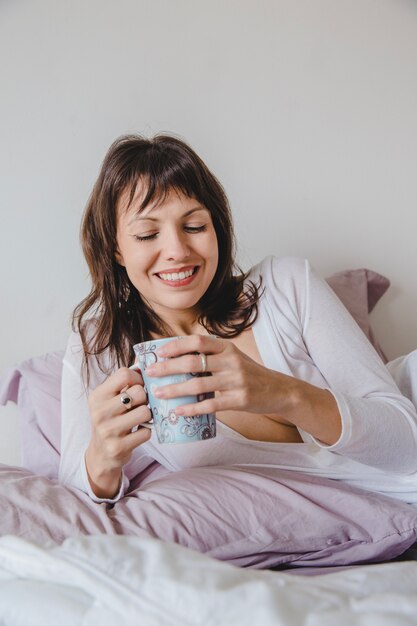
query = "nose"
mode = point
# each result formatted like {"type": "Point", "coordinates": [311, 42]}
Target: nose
{"type": "Point", "coordinates": [176, 245]}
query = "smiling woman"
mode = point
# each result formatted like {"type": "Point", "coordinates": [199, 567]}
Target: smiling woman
{"type": "Point", "coordinates": [293, 381]}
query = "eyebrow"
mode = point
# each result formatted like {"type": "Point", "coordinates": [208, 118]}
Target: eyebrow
{"type": "Point", "coordinates": [138, 216]}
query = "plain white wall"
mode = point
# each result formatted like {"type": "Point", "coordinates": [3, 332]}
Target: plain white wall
{"type": "Point", "coordinates": [305, 109]}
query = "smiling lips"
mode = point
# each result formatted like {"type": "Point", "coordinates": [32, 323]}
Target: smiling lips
{"type": "Point", "coordinates": [184, 277]}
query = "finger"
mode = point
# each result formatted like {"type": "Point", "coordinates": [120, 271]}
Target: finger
{"type": "Point", "coordinates": [201, 408]}
{"type": "Point", "coordinates": [135, 367]}
{"type": "Point", "coordinates": [191, 343]}
{"type": "Point", "coordinates": [123, 377]}
{"type": "Point", "coordinates": [103, 410]}
{"type": "Point", "coordinates": [135, 438]}
{"type": "Point", "coordinates": [123, 424]}
{"type": "Point", "coordinates": [137, 396]}
{"type": "Point", "coordinates": [190, 363]}
{"type": "Point", "coordinates": [191, 387]}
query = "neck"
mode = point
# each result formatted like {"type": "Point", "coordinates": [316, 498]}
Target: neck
{"type": "Point", "coordinates": [181, 325]}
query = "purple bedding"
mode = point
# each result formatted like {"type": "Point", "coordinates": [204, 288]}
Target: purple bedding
{"type": "Point", "coordinates": [257, 519]}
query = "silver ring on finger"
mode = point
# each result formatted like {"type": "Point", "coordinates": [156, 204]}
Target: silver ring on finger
{"type": "Point", "coordinates": [126, 400]}
{"type": "Point", "coordinates": [203, 358]}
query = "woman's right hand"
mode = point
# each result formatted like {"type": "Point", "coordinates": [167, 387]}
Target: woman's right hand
{"type": "Point", "coordinates": [112, 440]}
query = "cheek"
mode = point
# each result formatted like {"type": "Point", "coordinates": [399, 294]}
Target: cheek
{"type": "Point", "coordinates": [215, 250]}
{"type": "Point", "coordinates": [139, 264]}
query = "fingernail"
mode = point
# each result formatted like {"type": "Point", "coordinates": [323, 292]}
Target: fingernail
{"type": "Point", "coordinates": [150, 370]}
{"type": "Point", "coordinates": [158, 393]}
{"type": "Point", "coordinates": [161, 351]}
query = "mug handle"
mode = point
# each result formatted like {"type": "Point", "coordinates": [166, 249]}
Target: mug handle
{"type": "Point", "coordinates": [149, 424]}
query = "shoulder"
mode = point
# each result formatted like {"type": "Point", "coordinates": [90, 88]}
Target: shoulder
{"type": "Point", "coordinates": [281, 270]}
{"type": "Point", "coordinates": [285, 287]}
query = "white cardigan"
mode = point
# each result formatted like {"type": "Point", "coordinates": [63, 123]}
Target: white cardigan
{"type": "Point", "coordinates": [302, 330]}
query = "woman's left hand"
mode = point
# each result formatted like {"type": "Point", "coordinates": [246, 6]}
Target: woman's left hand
{"type": "Point", "coordinates": [239, 383]}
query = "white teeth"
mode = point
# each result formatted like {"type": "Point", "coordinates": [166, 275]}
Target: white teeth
{"type": "Point", "coordinates": [177, 275]}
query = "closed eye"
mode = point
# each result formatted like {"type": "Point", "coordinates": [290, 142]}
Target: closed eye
{"type": "Point", "coordinates": [195, 229]}
{"type": "Point", "coordinates": [145, 237]}
{"type": "Point", "coordinates": [188, 229]}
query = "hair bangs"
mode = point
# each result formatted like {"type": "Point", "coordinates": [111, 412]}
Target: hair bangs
{"type": "Point", "coordinates": [160, 173]}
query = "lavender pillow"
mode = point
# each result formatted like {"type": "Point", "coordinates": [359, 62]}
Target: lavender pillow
{"type": "Point", "coordinates": [360, 290]}
{"type": "Point", "coordinates": [35, 386]}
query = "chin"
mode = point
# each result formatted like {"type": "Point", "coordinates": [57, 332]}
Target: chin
{"type": "Point", "coordinates": [179, 305]}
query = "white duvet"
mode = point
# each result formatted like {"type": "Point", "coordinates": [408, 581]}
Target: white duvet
{"type": "Point", "coordinates": [124, 581]}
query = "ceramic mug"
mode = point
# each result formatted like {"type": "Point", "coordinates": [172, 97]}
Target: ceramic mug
{"type": "Point", "coordinates": [170, 427]}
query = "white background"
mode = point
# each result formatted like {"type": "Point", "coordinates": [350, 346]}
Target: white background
{"type": "Point", "coordinates": [305, 110]}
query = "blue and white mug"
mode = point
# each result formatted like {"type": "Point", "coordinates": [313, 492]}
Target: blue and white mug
{"type": "Point", "coordinates": [170, 427]}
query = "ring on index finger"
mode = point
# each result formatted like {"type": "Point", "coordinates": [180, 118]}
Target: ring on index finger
{"type": "Point", "coordinates": [126, 400]}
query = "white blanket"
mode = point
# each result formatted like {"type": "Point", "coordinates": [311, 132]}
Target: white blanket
{"type": "Point", "coordinates": [108, 580]}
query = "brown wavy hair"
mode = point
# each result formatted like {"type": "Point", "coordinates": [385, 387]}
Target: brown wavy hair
{"type": "Point", "coordinates": [120, 316]}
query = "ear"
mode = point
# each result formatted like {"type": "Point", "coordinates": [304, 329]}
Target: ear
{"type": "Point", "coordinates": [119, 258]}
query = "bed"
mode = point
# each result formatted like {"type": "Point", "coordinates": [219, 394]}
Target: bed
{"type": "Point", "coordinates": [278, 549]}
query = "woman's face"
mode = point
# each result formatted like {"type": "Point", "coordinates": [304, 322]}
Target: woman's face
{"type": "Point", "coordinates": [169, 250]}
